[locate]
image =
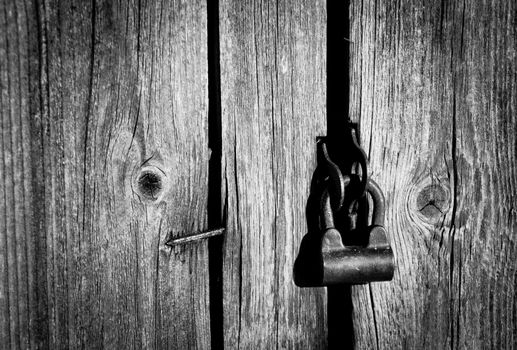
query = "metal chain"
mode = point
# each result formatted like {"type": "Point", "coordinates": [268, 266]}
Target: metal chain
{"type": "Point", "coordinates": [336, 180]}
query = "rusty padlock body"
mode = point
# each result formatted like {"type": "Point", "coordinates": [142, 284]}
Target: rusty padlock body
{"type": "Point", "coordinates": [356, 265]}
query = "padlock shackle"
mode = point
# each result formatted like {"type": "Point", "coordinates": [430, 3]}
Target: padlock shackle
{"type": "Point", "coordinates": [326, 207]}
{"type": "Point", "coordinates": [379, 204]}
{"type": "Point", "coordinates": [326, 210]}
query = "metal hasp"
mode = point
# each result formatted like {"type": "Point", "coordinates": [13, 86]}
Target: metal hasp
{"type": "Point", "coordinates": [351, 264]}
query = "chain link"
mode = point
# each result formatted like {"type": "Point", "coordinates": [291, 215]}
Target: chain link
{"type": "Point", "coordinates": [338, 179]}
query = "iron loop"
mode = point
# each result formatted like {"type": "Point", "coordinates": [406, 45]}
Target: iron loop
{"type": "Point", "coordinates": [336, 179]}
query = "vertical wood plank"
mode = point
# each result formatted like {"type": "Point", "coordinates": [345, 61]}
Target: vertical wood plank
{"type": "Point", "coordinates": [23, 307]}
{"type": "Point", "coordinates": [105, 157]}
{"type": "Point", "coordinates": [273, 78]}
{"type": "Point", "coordinates": [433, 85]}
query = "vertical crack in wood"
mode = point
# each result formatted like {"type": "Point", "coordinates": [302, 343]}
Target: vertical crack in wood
{"type": "Point", "coordinates": [274, 175]}
{"type": "Point", "coordinates": [138, 54]}
{"type": "Point", "coordinates": [88, 111]}
{"type": "Point", "coordinates": [138, 313]}
{"type": "Point", "coordinates": [239, 229]}
{"type": "Point", "coordinates": [375, 326]}
{"type": "Point", "coordinates": [456, 192]}
{"type": "Point", "coordinates": [453, 215]}
{"type": "Point", "coordinates": [157, 320]}
{"type": "Point", "coordinates": [455, 315]}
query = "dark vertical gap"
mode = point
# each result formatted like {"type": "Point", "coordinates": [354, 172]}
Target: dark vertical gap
{"type": "Point", "coordinates": [338, 53]}
{"type": "Point", "coordinates": [214, 209]}
{"type": "Point", "coordinates": [338, 83]}
{"type": "Point", "coordinates": [340, 308]}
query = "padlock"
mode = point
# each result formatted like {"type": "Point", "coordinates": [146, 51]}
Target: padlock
{"type": "Point", "coordinates": [352, 264]}
{"type": "Point", "coordinates": [324, 260]}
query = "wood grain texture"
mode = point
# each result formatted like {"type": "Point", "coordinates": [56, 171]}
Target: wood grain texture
{"type": "Point", "coordinates": [273, 71]}
{"type": "Point", "coordinates": [105, 155]}
{"type": "Point", "coordinates": [434, 87]}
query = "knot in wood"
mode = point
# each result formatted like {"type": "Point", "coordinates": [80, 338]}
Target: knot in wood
{"type": "Point", "coordinates": [150, 183]}
{"type": "Point", "coordinates": [433, 201]}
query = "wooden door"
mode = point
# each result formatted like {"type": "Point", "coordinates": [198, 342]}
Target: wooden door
{"type": "Point", "coordinates": [126, 126]}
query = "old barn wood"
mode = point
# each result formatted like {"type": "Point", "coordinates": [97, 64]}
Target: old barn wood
{"type": "Point", "coordinates": [105, 155]}
{"type": "Point", "coordinates": [434, 86]}
{"type": "Point", "coordinates": [157, 158]}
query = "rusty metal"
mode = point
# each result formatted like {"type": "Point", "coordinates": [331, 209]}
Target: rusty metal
{"type": "Point", "coordinates": [334, 263]}
{"type": "Point", "coordinates": [356, 152]}
{"type": "Point", "coordinates": [172, 241]}
{"type": "Point", "coordinates": [324, 258]}
{"type": "Point", "coordinates": [336, 179]}
{"type": "Point", "coordinates": [334, 173]}
{"type": "Point", "coordinates": [355, 265]}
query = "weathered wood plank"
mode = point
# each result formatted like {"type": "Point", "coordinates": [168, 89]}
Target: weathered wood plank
{"type": "Point", "coordinates": [21, 209]}
{"type": "Point", "coordinates": [273, 81]}
{"type": "Point", "coordinates": [433, 84]}
{"type": "Point", "coordinates": [105, 157]}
